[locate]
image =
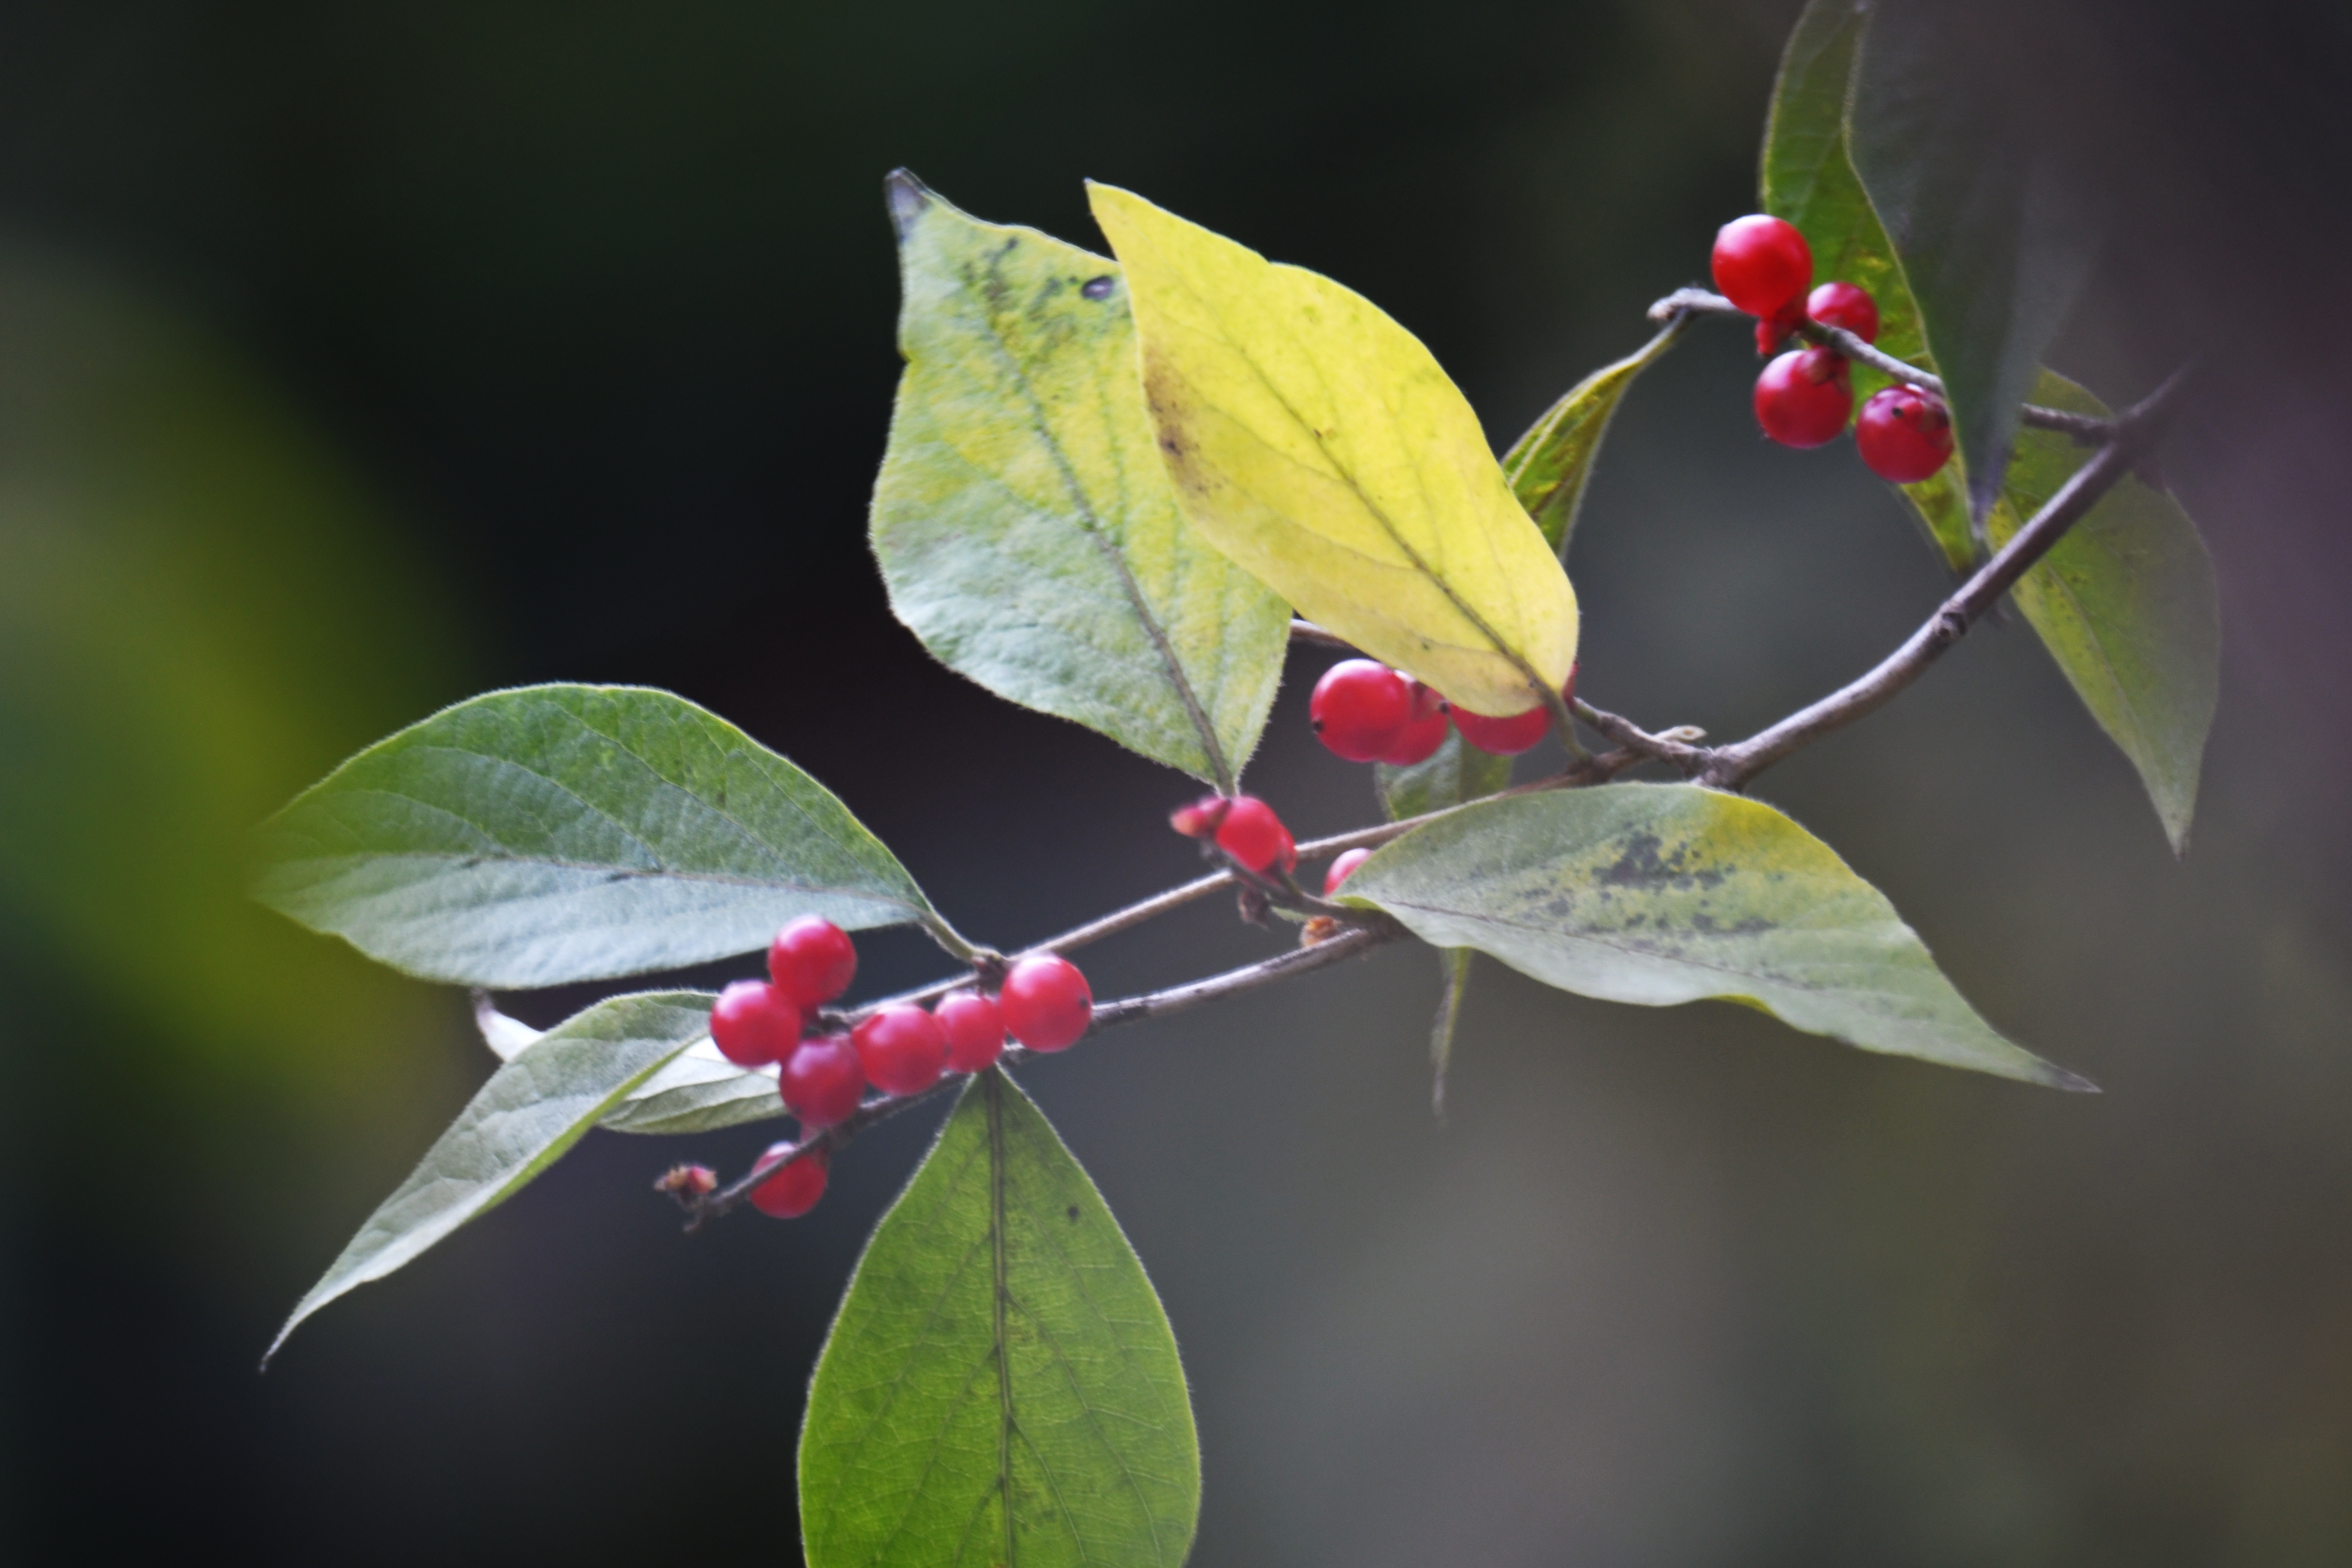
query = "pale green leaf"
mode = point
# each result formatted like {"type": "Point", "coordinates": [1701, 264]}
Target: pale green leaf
{"type": "Point", "coordinates": [1993, 242]}
{"type": "Point", "coordinates": [1318, 444]}
{"type": "Point", "coordinates": [1451, 775]}
{"type": "Point", "coordinates": [1025, 527]}
{"type": "Point", "coordinates": [1001, 1385]}
{"type": "Point", "coordinates": [1660, 894]}
{"type": "Point", "coordinates": [2126, 603]}
{"type": "Point", "coordinates": [561, 833]}
{"type": "Point", "coordinates": [533, 1109]}
{"type": "Point", "coordinates": [698, 1091]}
{"type": "Point", "coordinates": [1808, 179]}
{"type": "Point", "coordinates": [1549, 467]}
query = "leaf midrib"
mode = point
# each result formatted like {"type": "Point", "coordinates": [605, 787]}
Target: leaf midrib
{"type": "Point", "coordinates": [1346, 476]}
{"type": "Point", "coordinates": [1092, 527]}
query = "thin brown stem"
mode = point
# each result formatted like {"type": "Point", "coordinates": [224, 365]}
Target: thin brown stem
{"type": "Point", "coordinates": [1730, 767]}
{"type": "Point", "coordinates": [2085, 427]}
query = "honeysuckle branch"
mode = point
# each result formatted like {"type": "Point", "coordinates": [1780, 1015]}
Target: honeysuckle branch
{"type": "Point", "coordinates": [2121, 445]}
{"type": "Point", "coordinates": [2087, 428]}
{"type": "Point", "coordinates": [1359, 939]}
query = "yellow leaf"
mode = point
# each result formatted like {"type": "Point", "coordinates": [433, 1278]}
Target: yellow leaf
{"type": "Point", "coordinates": [1318, 445]}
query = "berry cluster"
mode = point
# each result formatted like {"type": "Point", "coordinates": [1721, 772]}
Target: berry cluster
{"type": "Point", "coordinates": [1367, 712]}
{"type": "Point", "coordinates": [1805, 396]}
{"type": "Point", "coordinates": [901, 1049]}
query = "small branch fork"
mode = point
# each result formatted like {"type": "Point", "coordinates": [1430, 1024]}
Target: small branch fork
{"type": "Point", "coordinates": [2086, 428]}
{"type": "Point", "coordinates": [2122, 444]}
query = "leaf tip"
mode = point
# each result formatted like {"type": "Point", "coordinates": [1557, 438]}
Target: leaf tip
{"type": "Point", "coordinates": [907, 197]}
{"type": "Point", "coordinates": [2071, 1082]}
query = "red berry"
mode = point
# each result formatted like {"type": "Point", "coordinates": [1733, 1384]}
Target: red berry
{"type": "Point", "coordinates": [1425, 730]}
{"type": "Point", "coordinates": [794, 1190]}
{"type": "Point", "coordinates": [1803, 397]}
{"type": "Point", "coordinates": [754, 1024]}
{"type": "Point", "coordinates": [1199, 819]}
{"type": "Point", "coordinates": [1507, 736]}
{"type": "Point", "coordinates": [1761, 263]}
{"type": "Point", "coordinates": [1046, 1003]}
{"type": "Point", "coordinates": [1905, 434]}
{"type": "Point", "coordinates": [811, 961]}
{"type": "Point", "coordinates": [1250, 833]}
{"type": "Point", "coordinates": [902, 1048]}
{"type": "Point", "coordinates": [822, 1081]}
{"type": "Point", "coordinates": [1341, 867]}
{"type": "Point", "coordinates": [1358, 708]}
{"type": "Point", "coordinates": [1847, 305]}
{"type": "Point", "coordinates": [974, 1026]}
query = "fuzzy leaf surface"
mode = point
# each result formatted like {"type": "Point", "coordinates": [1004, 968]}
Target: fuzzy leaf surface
{"type": "Point", "coordinates": [552, 834]}
{"type": "Point", "coordinates": [1549, 467]}
{"type": "Point", "coordinates": [1808, 179]}
{"type": "Point", "coordinates": [1994, 243]}
{"type": "Point", "coordinates": [2127, 604]}
{"type": "Point", "coordinates": [1001, 1385]}
{"type": "Point", "coordinates": [1660, 894]}
{"type": "Point", "coordinates": [1025, 527]}
{"type": "Point", "coordinates": [533, 1109]}
{"type": "Point", "coordinates": [1318, 444]}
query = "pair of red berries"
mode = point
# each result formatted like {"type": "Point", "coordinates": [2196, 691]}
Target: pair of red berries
{"type": "Point", "coordinates": [1367, 712]}
{"type": "Point", "coordinates": [902, 1050]}
{"type": "Point", "coordinates": [1805, 396]}
{"type": "Point", "coordinates": [1243, 827]}
{"type": "Point", "coordinates": [1246, 828]}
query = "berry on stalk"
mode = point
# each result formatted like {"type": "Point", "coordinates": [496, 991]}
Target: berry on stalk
{"type": "Point", "coordinates": [1803, 397]}
{"type": "Point", "coordinates": [1358, 708]}
{"type": "Point", "coordinates": [1847, 305]}
{"type": "Point", "coordinates": [902, 1050]}
{"type": "Point", "coordinates": [1905, 434]}
{"type": "Point", "coordinates": [1761, 263]}
{"type": "Point", "coordinates": [811, 961]}
{"type": "Point", "coordinates": [754, 1024]}
{"type": "Point", "coordinates": [822, 1081]}
{"type": "Point", "coordinates": [974, 1026]}
{"type": "Point", "coordinates": [1423, 731]}
{"type": "Point", "coordinates": [794, 1190]}
{"type": "Point", "coordinates": [1046, 1003]}
{"type": "Point", "coordinates": [1251, 834]}
{"type": "Point", "coordinates": [1341, 868]}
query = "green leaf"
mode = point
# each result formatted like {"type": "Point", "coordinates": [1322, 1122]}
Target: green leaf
{"type": "Point", "coordinates": [533, 1109]}
{"type": "Point", "coordinates": [559, 833]}
{"type": "Point", "coordinates": [1025, 527]}
{"type": "Point", "coordinates": [1001, 1385]}
{"type": "Point", "coordinates": [2126, 603]}
{"type": "Point", "coordinates": [1449, 776]}
{"type": "Point", "coordinates": [1808, 178]}
{"type": "Point", "coordinates": [1318, 444]}
{"type": "Point", "coordinates": [1994, 245]}
{"type": "Point", "coordinates": [698, 1091]}
{"type": "Point", "coordinates": [1660, 894]}
{"type": "Point", "coordinates": [1548, 468]}
{"type": "Point", "coordinates": [1455, 964]}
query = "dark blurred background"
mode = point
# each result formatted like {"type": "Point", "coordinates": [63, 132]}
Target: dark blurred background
{"type": "Point", "coordinates": [356, 358]}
